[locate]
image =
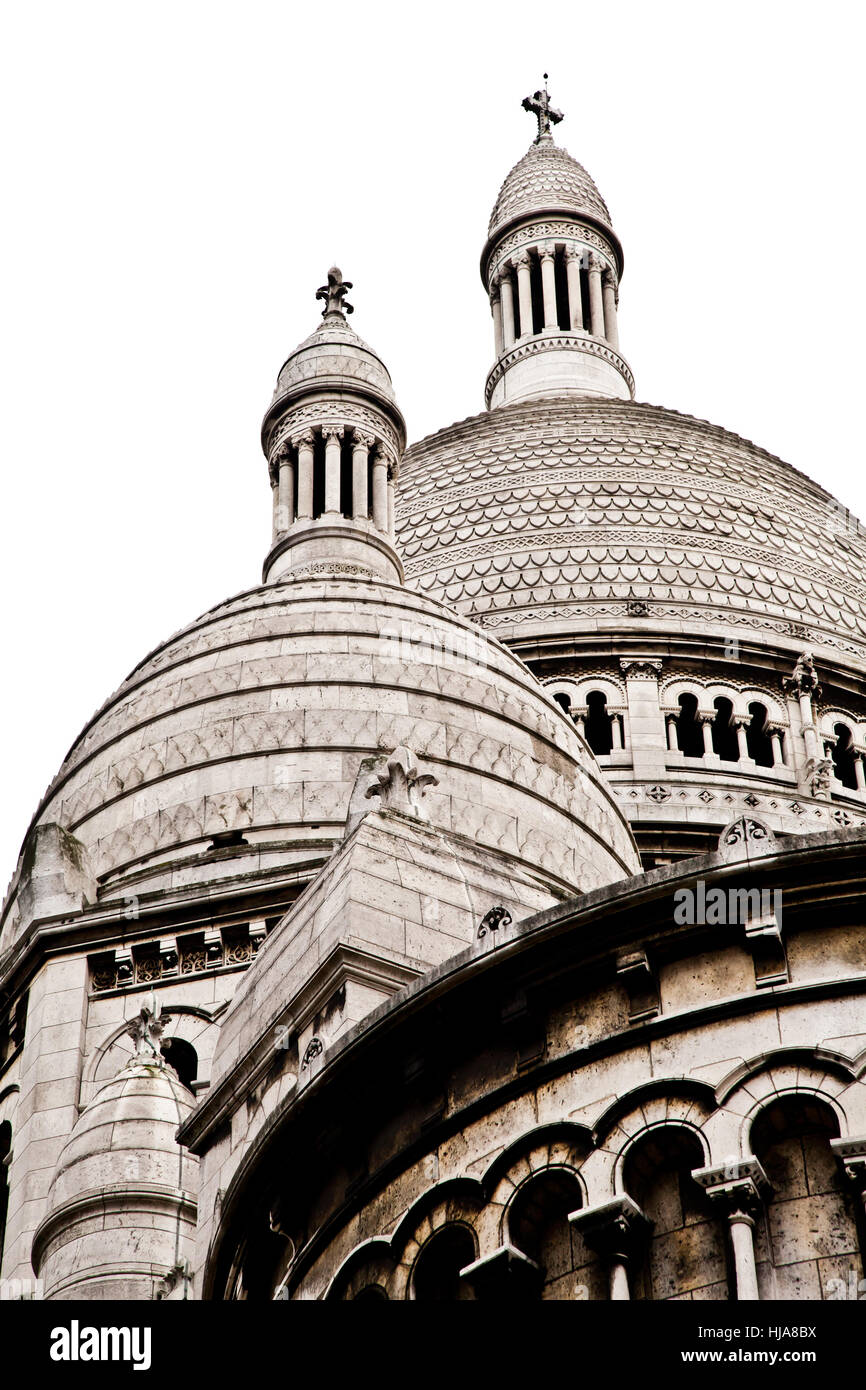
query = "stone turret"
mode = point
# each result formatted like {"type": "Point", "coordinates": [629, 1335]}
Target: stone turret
{"type": "Point", "coordinates": [552, 266]}
{"type": "Point", "coordinates": [333, 437]}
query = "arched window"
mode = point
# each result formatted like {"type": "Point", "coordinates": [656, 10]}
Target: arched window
{"type": "Point", "coordinates": [844, 756]}
{"type": "Point", "coordinates": [724, 734]}
{"type": "Point", "coordinates": [758, 740]}
{"type": "Point", "coordinates": [810, 1232]}
{"type": "Point", "coordinates": [5, 1149]}
{"type": "Point", "coordinates": [436, 1278]}
{"type": "Point", "coordinates": [538, 1225]}
{"type": "Point", "coordinates": [598, 734]}
{"type": "Point", "coordinates": [690, 739]}
{"type": "Point", "coordinates": [564, 700]}
{"type": "Point", "coordinates": [686, 1250]}
{"type": "Point", "coordinates": [182, 1058]}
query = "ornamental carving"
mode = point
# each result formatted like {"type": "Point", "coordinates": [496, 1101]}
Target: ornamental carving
{"type": "Point", "coordinates": [558, 342]}
{"type": "Point", "coordinates": [746, 835]}
{"type": "Point", "coordinates": [344, 414]}
{"type": "Point", "coordinates": [554, 230]}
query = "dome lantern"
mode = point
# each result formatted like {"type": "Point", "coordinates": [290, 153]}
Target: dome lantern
{"type": "Point", "coordinates": [333, 437]}
{"type": "Point", "coordinates": [551, 267]}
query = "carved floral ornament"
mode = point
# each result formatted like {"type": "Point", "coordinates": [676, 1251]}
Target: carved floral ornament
{"type": "Point", "coordinates": [402, 785]}
{"type": "Point", "coordinates": [298, 424]}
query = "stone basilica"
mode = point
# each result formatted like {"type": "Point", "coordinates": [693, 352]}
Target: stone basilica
{"type": "Point", "coordinates": [471, 909]}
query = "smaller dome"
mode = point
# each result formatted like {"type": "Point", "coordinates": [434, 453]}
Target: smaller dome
{"type": "Point", "coordinates": [547, 179]}
{"type": "Point", "coordinates": [333, 357]}
{"type": "Point", "coordinates": [121, 1209]}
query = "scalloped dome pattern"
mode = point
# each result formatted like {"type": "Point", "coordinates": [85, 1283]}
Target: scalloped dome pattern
{"type": "Point", "coordinates": [567, 511]}
{"type": "Point", "coordinates": [547, 178]}
{"type": "Point", "coordinates": [333, 350]}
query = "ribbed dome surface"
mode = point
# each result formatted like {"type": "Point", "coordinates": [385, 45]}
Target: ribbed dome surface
{"type": "Point", "coordinates": [565, 513]}
{"type": "Point", "coordinates": [257, 717]}
{"type": "Point", "coordinates": [333, 354]}
{"type": "Point", "coordinates": [126, 1136]}
{"type": "Point", "coordinates": [547, 179]}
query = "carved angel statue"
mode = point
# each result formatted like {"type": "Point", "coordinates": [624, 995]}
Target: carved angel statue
{"type": "Point", "coordinates": [334, 293]}
{"type": "Point", "coordinates": [146, 1029]}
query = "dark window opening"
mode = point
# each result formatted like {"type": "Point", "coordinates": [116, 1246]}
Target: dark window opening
{"type": "Point", "coordinates": [563, 317]}
{"type": "Point", "coordinates": [759, 743]}
{"type": "Point", "coordinates": [725, 742]}
{"type": "Point", "coordinates": [346, 476]}
{"type": "Point", "coordinates": [690, 738]}
{"type": "Point", "coordinates": [437, 1272]}
{"type": "Point", "coordinates": [371, 1293]}
{"type": "Point", "coordinates": [598, 734]}
{"type": "Point", "coordinates": [318, 475]}
{"type": "Point", "coordinates": [515, 300]}
{"type": "Point", "coordinates": [537, 294]}
{"type": "Point", "coordinates": [564, 700]}
{"type": "Point", "coordinates": [844, 756]}
{"type": "Point", "coordinates": [182, 1058]}
{"type": "Point", "coordinates": [584, 299]}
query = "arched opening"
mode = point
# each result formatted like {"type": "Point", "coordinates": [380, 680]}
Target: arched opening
{"type": "Point", "coordinates": [810, 1236]}
{"type": "Point", "coordinates": [535, 286]}
{"type": "Point", "coordinates": [598, 734]}
{"type": "Point", "coordinates": [685, 1253]}
{"type": "Point", "coordinates": [538, 1225]}
{"type": "Point", "coordinates": [371, 1293]}
{"type": "Point", "coordinates": [844, 756]}
{"type": "Point", "coordinates": [5, 1150]}
{"type": "Point", "coordinates": [563, 700]}
{"type": "Point", "coordinates": [436, 1278]}
{"type": "Point", "coordinates": [690, 739]}
{"type": "Point", "coordinates": [182, 1058]}
{"type": "Point", "coordinates": [758, 740]}
{"type": "Point", "coordinates": [725, 742]}
{"type": "Point", "coordinates": [563, 317]}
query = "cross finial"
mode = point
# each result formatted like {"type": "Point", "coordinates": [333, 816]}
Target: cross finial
{"type": "Point", "coordinates": [334, 293]}
{"type": "Point", "coordinates": [545, 114]}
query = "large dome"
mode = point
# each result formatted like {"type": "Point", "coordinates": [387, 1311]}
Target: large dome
{"type": "Point", "coordinates": [546, 179]}
{"type": "Point", "coordinates": [556, 514]}
{"type": "Point", "coordinates": [246, 732]}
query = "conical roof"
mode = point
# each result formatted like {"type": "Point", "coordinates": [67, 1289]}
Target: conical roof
{"type": "Point", "coordinates": [546, 179]}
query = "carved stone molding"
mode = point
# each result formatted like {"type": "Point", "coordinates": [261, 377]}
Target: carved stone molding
{"type": "Point", "coordinates": [640, 668]}
{"type": "Point", "coordinates": [554, 230]}
{"type": "Point", "coordinates": [741, 1187]}
{"type": "Point", "coordinates": [333, 414]}
{"type": "Point", "coordinates": [746, 837]}
{"type": "Point", "coordinates": [560, 341]}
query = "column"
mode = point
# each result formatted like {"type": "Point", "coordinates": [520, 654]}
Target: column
{"type": "Point", "coordinates": [496, 311]}
{"type": "Point", "coordinates": [707, 721]}
{"type": "Point", "coordinates": [617, 1231]}
{"type": "Point", "coordinates": [742, 739]}
{"type": "Point", "coordinates": [580, 722]}
{"type": "Point", "coordinates": [548, 286]}
{"type": "Point", "coordinates": [608, 290]}
{"type": "Point", "coordinates": [739, 1189]}
{"type": "Point", "coordinates": [859, 773]}
{"type": "Point", "coordinates": [596, 303]}
{"type": "Point", "coordinates": [741, 1226]}
{"type": "Point", "coordinates": [361, 446]}
{"type": "Point", "coordinates": [573, 259]}
{"type": "Point", "coordinates": [333, 440]}
{"type": "Point", "coordinates": [524, 292]}
{"type": "Point", "coordinates": [304, 445]}
{"type": "Point", "coordinates": [810, 733]}
{"type": "Point", "coordinates": [275, 502]}
{"type": "Point", "coordinates": [392, 487]}
{"type": "Point", "coordinates": [506, 295]}
{"type": "Point", "coordinates": [615, 734]}
{"type": "Point", "coordinates": [776, 744]}
{"type": "Point", "coordinates": [672, 733]}
{"type": "Point", "coordinates": [286, 489]}
{"type": "Point", "coordinates": [380, 490]}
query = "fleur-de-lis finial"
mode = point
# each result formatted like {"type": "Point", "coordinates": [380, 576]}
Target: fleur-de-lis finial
{"type": "Point", "coordinates": [334, 293]}
{"type": "Point", "coordinates": [545, 114]}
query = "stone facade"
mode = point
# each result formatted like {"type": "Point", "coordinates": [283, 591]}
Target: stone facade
{"type": "Point", "coordinates": [470, 910]}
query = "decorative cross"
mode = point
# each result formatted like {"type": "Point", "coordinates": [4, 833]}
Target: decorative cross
{"type": "Point", "coordinates": [334, 293]}
{"type": "Point", "coordinates": [545, 114]}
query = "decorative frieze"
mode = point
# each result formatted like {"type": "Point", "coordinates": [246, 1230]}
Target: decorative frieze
{"type": "Point", "coordinates": [170, 957]}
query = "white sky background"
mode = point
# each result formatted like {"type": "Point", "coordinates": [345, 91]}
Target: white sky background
{"type": "Point", "coordinates": [178, 177]}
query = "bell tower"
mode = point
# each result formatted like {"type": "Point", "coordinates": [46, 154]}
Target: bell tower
{"type": "Point", "coordinates": [333, 437]}
{"type": "Point", "coordinates": [551, 267]}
